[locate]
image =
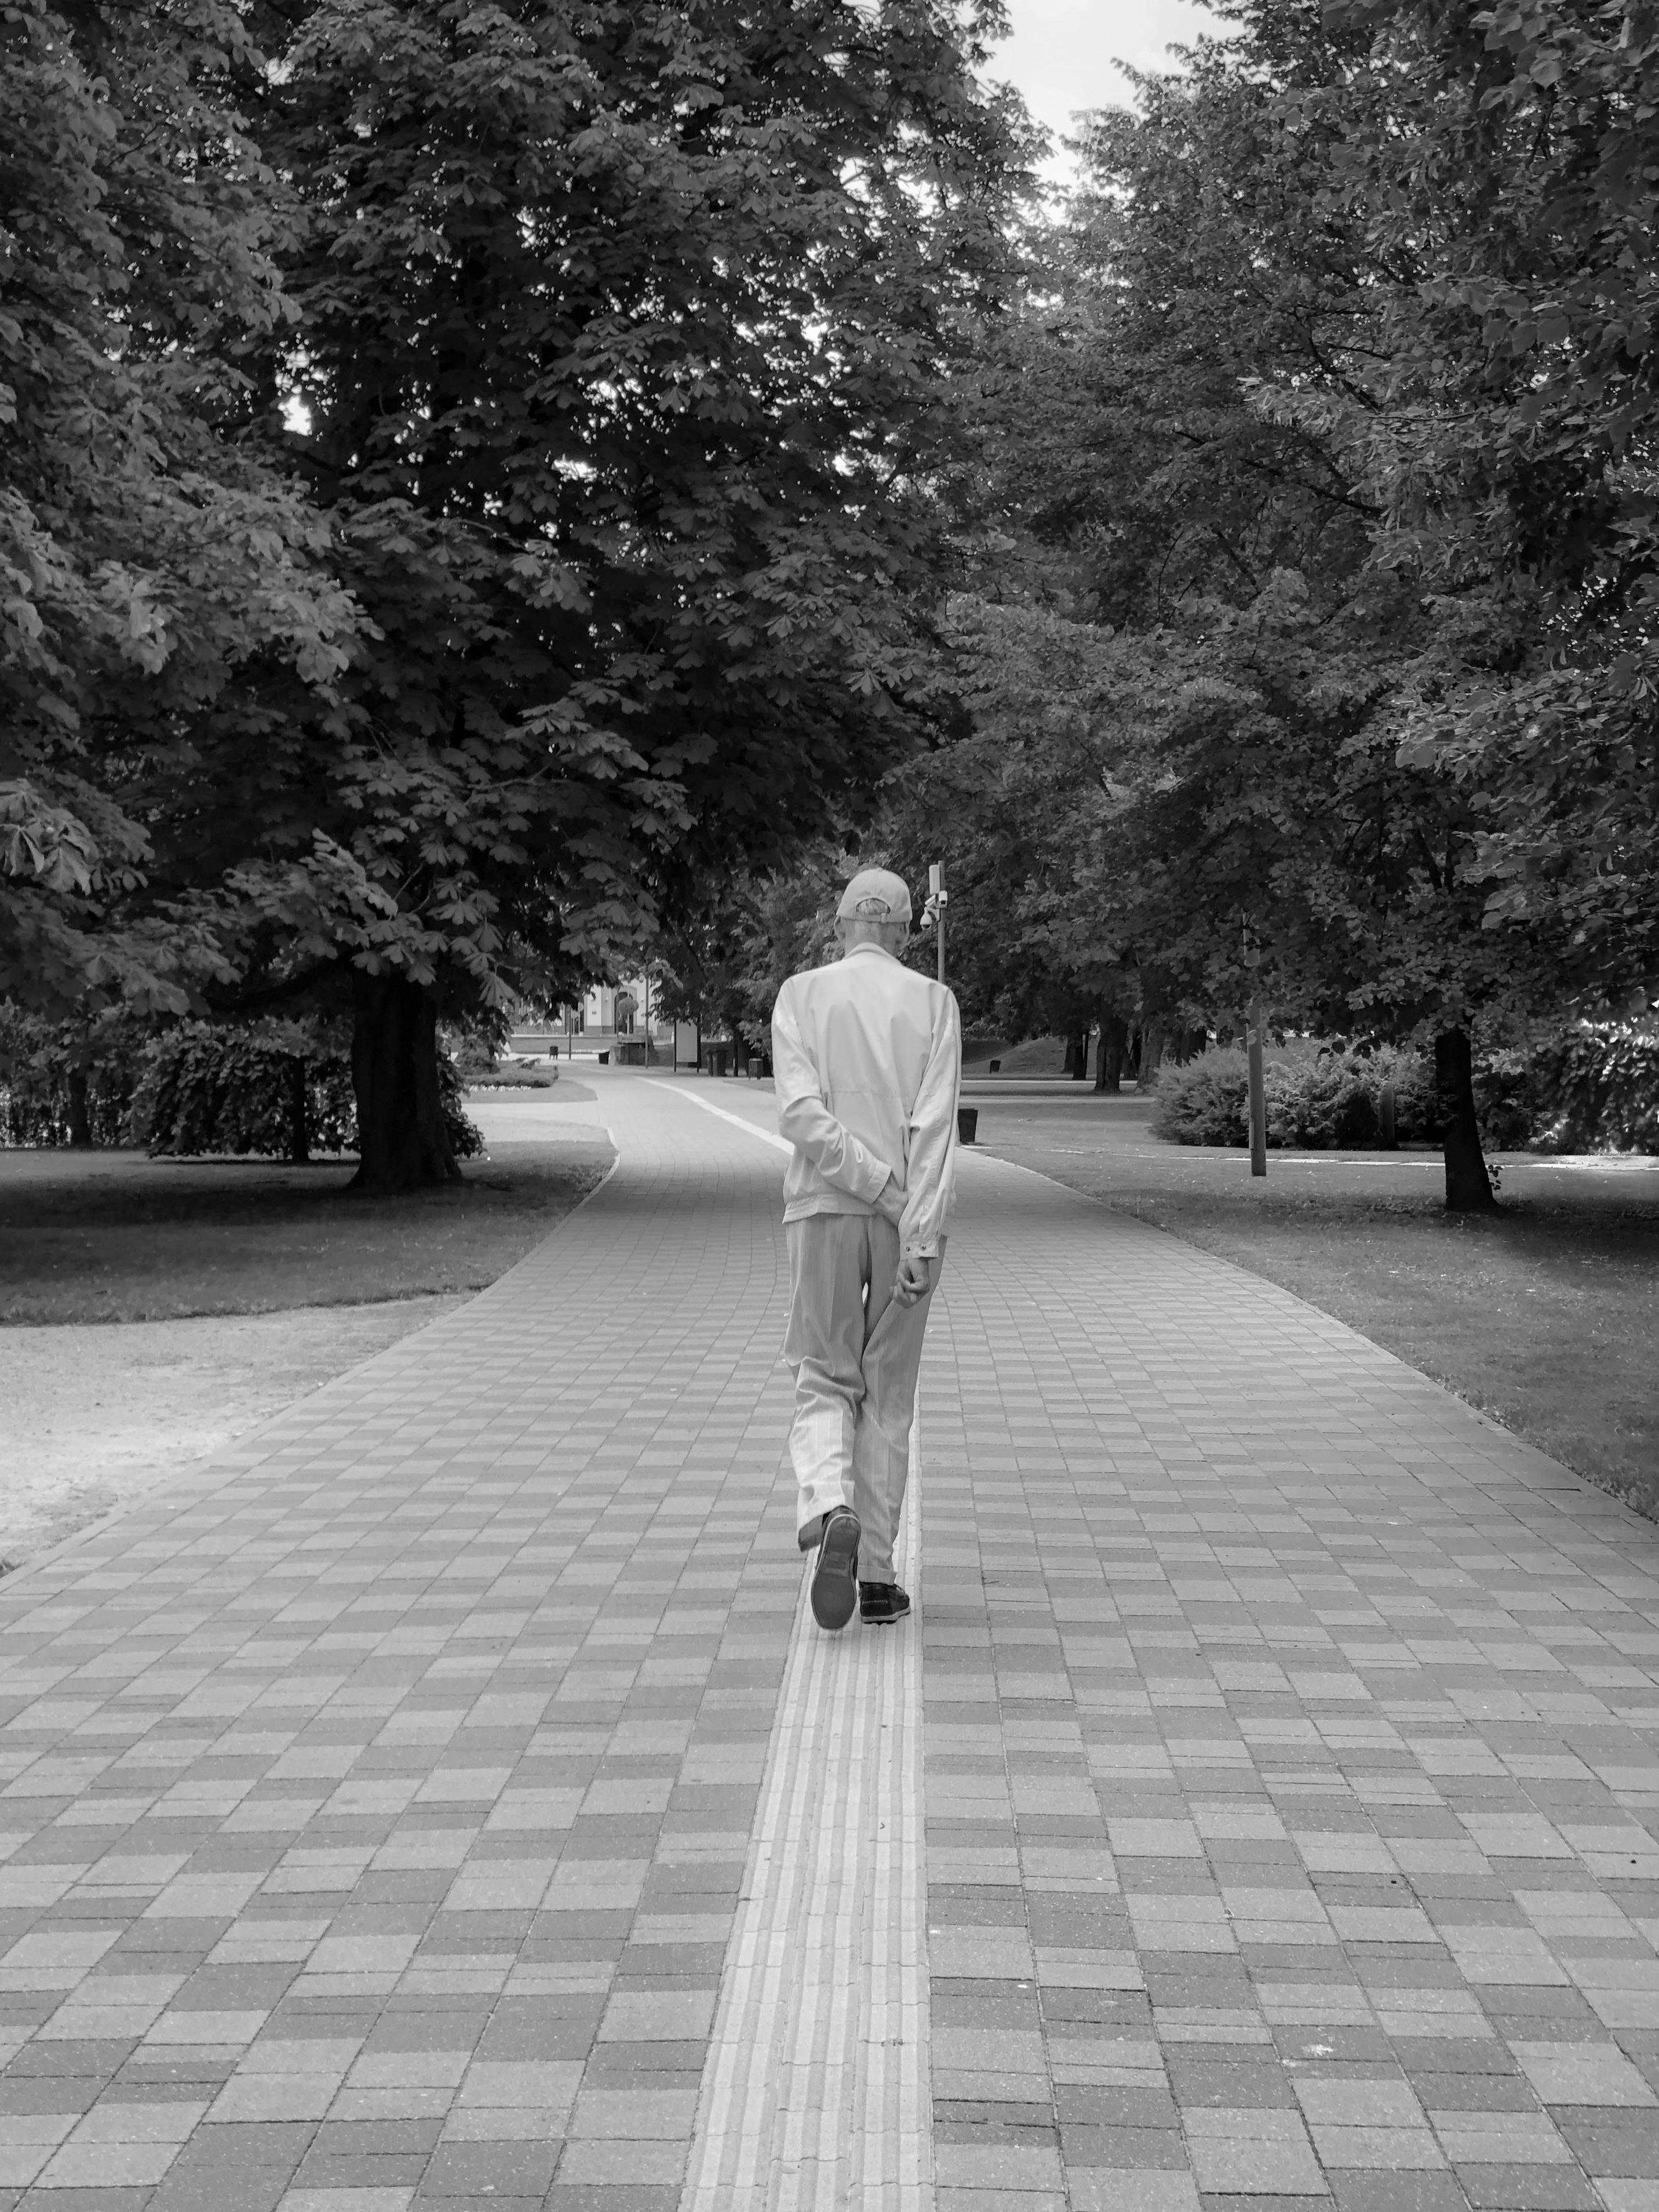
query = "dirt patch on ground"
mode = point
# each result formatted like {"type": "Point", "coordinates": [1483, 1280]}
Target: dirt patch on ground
{"type": "Point", "coordinates": [237, 1286]}
{"type": "Point", "coordinates": [97, 1416]}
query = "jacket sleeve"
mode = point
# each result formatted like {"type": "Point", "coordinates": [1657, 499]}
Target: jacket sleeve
{"type": "Point", "coordinates": [932, 1162]}
{"type": "Point", "coordinates": [807, 1122]}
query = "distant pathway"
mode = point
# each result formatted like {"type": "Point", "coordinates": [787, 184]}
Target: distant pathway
{"type": "Point", "coordinates": [434, 1800]}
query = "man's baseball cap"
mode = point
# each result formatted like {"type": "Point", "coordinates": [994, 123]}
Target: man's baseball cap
{"type": "Point", "coordinates": [875, 895]}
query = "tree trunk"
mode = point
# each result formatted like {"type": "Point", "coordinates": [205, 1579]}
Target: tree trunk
{"type": "Point", "coordinates": [1152, 1053]}
{"type": "Point", "coordinates": [80, 1111]}
{"type": "Point", "coordinates": [299, 1136]}
{"type": "Point", "coordinates": [1077, 1056]}
{"type": "Point", "coordinates": [1109, 1058]}
{"type": "Point", "coordinates": [1468, 1188]}
{"type": "Point", "coordinates": [402, 1141]}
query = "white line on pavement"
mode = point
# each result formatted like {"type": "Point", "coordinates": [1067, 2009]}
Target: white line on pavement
{"type": "Point", "coordinates": [736, 1121]}
{"type": "Point", "coordinates": [815, 2091]}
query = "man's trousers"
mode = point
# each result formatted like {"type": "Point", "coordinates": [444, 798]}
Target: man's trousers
{"type": "Point", "coordinates": [856, 1352]}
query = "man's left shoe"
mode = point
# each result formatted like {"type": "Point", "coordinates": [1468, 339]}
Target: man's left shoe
{"type": "Point", "coordinates": [881, 1602]}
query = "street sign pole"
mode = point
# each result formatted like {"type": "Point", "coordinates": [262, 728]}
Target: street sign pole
{"type": "Point", "coordinates": [1258, 1095]}
{"type": "Point", "coordinates": [938, 900]}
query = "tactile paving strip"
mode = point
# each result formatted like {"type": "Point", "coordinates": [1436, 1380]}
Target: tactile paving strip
{"type": "Point", "coordinates": [815, 2091]}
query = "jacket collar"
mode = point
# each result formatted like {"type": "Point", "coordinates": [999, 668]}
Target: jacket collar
{"type": "Point", "coordinates": [880, 952]}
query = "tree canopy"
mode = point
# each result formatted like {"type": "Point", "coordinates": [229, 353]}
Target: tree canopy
{"type": "Point", "coordinates": [165, 595]}
{"type": "Point", "coordinates": [1300, 633]}
{"type": "Point", "coordinates": [572, 375]}
{"type": "Point", "coordinates": [487, 494]}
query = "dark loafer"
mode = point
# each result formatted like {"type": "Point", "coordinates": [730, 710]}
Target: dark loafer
{"type": "Point", "coordinates": [834, 1578]}
{"type": "Point", "coordinates": [880, 1603]}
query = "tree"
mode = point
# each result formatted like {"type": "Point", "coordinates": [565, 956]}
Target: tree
{"type": "Point", "coordinates": [620, 344]}
{"type": "Point", "coordinates": [164, 595]}
{"type": "Point", "coordinates": [1500, 167]}
{"type": "Point", "coordinates": [1202, 661]}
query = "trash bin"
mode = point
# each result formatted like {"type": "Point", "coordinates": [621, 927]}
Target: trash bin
{"type": "Point", "coordinates": [966, 1124]}
{"type": "Point", "coordinates": [754, 1070]}
{"type": "Point", "coordinates": [604, 1060]}
{"type": "Point", "coordinates": [996, 1067]}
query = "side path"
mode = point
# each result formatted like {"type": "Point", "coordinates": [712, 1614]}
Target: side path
{"type": "Point", "coordinates": [1292, 1787]}
{"type": "Point", "coordinates": [373, 1811]}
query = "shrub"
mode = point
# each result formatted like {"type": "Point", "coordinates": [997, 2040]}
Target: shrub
{"type": "Point", "coordinates": [277, 1091]}
{"type": "Point", "coordinates": [1507, 1104]}
{"type": "Point", "coordinates": [1416, 1099]}
{"type": "Point", "coordinates": [1598, 1087]}
{"type": "Point", "coordinates": [474, 1059]}
{"type": "Point", "coordinates": [1320, 1102]}
{"type": "Point", "coordinates": [1205, 1100]}
{"type": "Point", "coordinates": [273, 1091]}
{"type": "Point", "coordinates": [1332, 1098]}
{"type": "Point", "coordinates": [1595, 1087]}
{"type": "Point", "coordinates": [52, 1076]}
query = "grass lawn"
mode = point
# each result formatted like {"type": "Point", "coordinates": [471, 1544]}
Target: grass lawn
{"type": "Point", "coordinates": [117, 1237]}
{"type": "Point", "coordinates": [1545, 1316]}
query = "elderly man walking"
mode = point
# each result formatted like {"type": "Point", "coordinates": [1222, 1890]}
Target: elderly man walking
{"type": "Point", "coordinates": [867, 1056]}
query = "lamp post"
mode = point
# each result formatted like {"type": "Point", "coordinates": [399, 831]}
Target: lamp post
{"type": "Point", "coordinates": [1258, 1081]}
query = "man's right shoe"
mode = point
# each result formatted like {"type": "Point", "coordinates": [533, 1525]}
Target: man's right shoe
{"type": "Point", "coordinates": [836, 1577]}
{"type": "Point", "coordinates": [881, 1603]}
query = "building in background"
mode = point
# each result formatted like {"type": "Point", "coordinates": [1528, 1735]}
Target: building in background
{"type": "Point", "coordinates": [610, 1018]}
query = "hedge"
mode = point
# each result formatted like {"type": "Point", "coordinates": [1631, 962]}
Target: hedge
{"type": "Point", "coordinates": [276, 1091]}
{"type": "Point", "coordinates": [1315, 1101]}
{"type": "Point", "coordinates": [42, 1069]}
{"type": "Point", "coordinates": [1592, 1088]}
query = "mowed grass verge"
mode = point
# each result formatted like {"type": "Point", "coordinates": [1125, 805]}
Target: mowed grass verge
{"type": "Point", "coordinates": [1545, 1316]}
{"type": "Point", "coordinates": [117, 1237]}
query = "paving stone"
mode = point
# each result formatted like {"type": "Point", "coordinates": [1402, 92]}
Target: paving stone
{"type": "Point", "coordinates": [366, 1628]}
{"type": "Point", "coordinates": [378, 1807]}
{"type": "Point", "coordinates": [1310, 1621]}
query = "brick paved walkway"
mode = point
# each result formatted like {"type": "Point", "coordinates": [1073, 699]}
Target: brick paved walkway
{"type": "Point", "coordinates": [374, 1812]}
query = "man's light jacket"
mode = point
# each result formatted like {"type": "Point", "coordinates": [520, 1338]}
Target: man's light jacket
{"type": "Point", "coordinates": [867, 1056]}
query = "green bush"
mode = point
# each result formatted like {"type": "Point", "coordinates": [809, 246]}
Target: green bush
{"type": "Point", "coordinates": [1594, 1088]}
{"type": "Point", "coordinates": [1597, 1088]}
{"type": "Point", "coordinates": [53, 1076]}
{"type": "Point", "coordinates": [1334, 1099]}
{"type": "Point", "coordinates": [1205, 1100]}
{"type": "Point", "coordinates": [474, 1059]}
{"type": "Point", "coordinates": [278, 1091]}
{"type": "Point", "coordinates": [1314, 1101]}
{"type": "Point", "coordinates": [274, 1091]}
